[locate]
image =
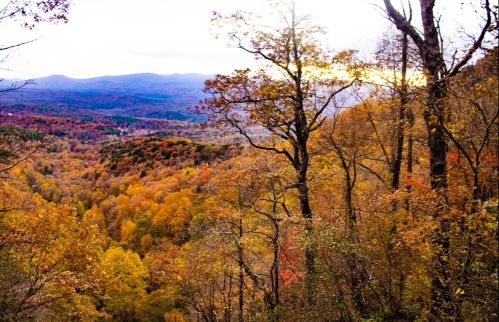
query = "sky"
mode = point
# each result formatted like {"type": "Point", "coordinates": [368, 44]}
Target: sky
{"type": "Point", "coordinates": [118, 37]}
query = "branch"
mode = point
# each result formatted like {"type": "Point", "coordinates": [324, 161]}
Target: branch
{"type": "Point", "coordinates": [371, 171]}
{"type": "Point", "coordinates": [402, 24]}
{"type": "Point", "coordinates": [321, 110]}
{"type": "Point", "coordinates": [261, 147]}
{"type": "Point", "coordinates": [13, 46]}
{"type": "Point", "coordinates": [477, 44]}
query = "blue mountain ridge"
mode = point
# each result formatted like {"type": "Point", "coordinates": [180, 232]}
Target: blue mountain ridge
{"type": "Point", "coordinates": [145, 95]}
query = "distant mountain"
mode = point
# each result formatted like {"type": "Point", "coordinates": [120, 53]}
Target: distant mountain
{"type": "Point", "coordinates": [144, 95]}
{"type": "Point", "coordinates": [146, 81]}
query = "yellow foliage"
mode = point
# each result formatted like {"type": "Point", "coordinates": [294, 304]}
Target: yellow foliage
{"type": "Point", "coordinates": [146, 242]}
{"type": "Point", "coordinates": [174, 316]}
{"type": "Point", "coordinates": [127, 229]}
{"type": "Point", "coordinates": [128, 267]}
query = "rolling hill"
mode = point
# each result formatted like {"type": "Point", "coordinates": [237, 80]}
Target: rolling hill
{"type": "Point", "coordinates": [139, 95]}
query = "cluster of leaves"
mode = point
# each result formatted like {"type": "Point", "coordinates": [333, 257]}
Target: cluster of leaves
{"type": "Point", "coordinates": [48, 256]}
{"type": "Point", "coordinates": [33, 12]}
{"type": "Point", "coordinates": [160, 152]}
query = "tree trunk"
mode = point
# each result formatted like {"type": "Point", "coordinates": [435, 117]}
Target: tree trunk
{"type": "Point", "coordinates": [241, 275]}
{"type": "Point", "coordinates": [435, 109]}
{"type": "Point", "coordinates": [397, 161]}
{"type": "Point", "coordinates": [301, 167]}
{"type": "Point", "coordinates": [309, 229]}
{"type": "Point", "coordinates": [410, 156]}
{"type": "Point", "coordinates": [438, 179]}
{"type": "Point", "coordinates": [431, 55]}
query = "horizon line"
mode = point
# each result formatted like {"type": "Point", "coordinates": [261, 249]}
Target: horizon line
{"type": "Point", "coordinates": [78, 78]}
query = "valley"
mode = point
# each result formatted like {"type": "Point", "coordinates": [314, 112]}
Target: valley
{"type": "Point", "coordinates": [140, 95]}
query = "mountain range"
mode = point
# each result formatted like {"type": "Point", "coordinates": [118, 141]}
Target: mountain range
{"type": "Point", "coordinates": [144, 95]}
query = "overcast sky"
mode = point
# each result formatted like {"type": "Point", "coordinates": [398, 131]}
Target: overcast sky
{"type": "Point", "coordinates": [117, 37]}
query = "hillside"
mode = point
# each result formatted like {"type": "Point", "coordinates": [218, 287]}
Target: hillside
{"type": "Point", "coordinates": [137, 95]}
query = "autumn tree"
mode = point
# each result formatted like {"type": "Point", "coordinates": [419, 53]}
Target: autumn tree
{"type": "Point", "coordinates": [396, 64]}
{"type": "Point", "coordinates": [348, 138]}
{"type": "Point", "coordinates": [439, 69]}
{"type": "Point", "coordinates": [471, 122]}
{"type": "Point", "coordinates": [203, 278]}
{"type": "Point", "coordinates": [255, 213]}
{"type": "Point", "coordinates": [48, 258]}
{"type": "Point", "coordinates": [289, 95]}
{"type": "Point", "coordinates": [133, 275]}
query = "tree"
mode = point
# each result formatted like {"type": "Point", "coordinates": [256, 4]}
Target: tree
{"type": "Point", "coordinates": [133, 275]}
{"type": "Point", "coordinates": [48, 257]}
{"type": "Point", "coordinates": [395, 56]}
{"type": "Point", "coordinates": [289, 95]}
{"type": "Point", "coordinates": [254, 212]}
{"type": "Point", "coordinates": [438, 72]}
{"type": "Point", "coordinates": [473, 112]}
{"type": "Point", "coordinates": [346, 137]}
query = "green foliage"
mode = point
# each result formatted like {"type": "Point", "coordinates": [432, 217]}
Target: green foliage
{"type": "Point", "coordinates": [123, 119]}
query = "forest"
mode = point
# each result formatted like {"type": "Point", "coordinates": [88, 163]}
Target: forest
{"type": "Point", "coordinates": [322, 186]}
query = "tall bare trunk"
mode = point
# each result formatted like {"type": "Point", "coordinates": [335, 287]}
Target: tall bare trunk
{"type": "Point", "coordinates": [241, 275]}
{"type": "Point", "coordinates": [404, 100]}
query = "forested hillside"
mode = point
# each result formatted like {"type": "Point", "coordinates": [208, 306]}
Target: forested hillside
{"type": "Point", "coordinates": [138, 95]}
{"type": "Point", "coordinates": [344, 189]}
